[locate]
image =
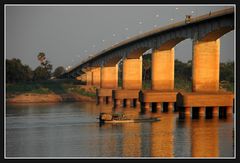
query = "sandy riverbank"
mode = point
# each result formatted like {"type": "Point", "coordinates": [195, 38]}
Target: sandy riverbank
{"type": "Point", "coordinates": [48, 98]}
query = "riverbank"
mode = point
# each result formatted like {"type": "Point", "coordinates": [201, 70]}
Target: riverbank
{"type": "Point", "coordinates": [49, 92]}
{"type": "Point", "coordinates": [70, 91]}
{"type": "Point", "coordinates": [48, 98]}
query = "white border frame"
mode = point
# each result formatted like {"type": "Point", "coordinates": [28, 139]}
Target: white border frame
{"type": "Point", "coordinates": [120, 5]}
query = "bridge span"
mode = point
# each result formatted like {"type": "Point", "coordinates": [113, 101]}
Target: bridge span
{"type": "Point", "coordinates": [205, 98]}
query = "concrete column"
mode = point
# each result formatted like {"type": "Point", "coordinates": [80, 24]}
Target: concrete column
{"type": "Point", "coordinates": [171, 106]}
{"type": "Point", "coordinates": [147, 106]}
{"type": "Point", "coordinates": [109, 77]}
{"type": "Point", "coordinates": [100, 99]}
{"type": "Point", "coordinates": [128, 103]}
{"type": "Point", "coordinates": [159, 106]}
{"type": "Point", "coordinates": [117, 103]}
{"type": "Point", "coordinates": [205, 70]}
{"type": "Point", "coordinates": [89, 77]}
{"type": "Point", "coordinates": [136, 103]}
{"type": "Point", "coordinates": [202, 111]}
{"type": "Point", "coordinates": [187, 111]}
{"type": "Point", "coordinates": [96, 76]}
{"type": "Point", "coordinates": [215, 111]}
{"type": "Point", "coordinates": [132, 73]}
{"type": "Point", "coordinates": [109, 98]}
{"type": "Point", "coordinates": [163, 69]}
{"type": "Point", "coordinates": [229, 109]}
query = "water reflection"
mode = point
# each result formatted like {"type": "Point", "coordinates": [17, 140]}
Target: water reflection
{"type": "Point", "coordinates": [72, 130]}
{"type": "Point", "coordinates": [162, 136]}
{"type": "Point", "coordinates": [131, 140]}
{"type": "Point", "coordinates": [204, 133]}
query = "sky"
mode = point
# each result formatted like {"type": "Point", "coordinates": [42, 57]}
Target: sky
{"type": "Point", "coordinates": [70, 34]}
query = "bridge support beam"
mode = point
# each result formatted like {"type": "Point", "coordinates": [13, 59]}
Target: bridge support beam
{"type": "Point", "coordinates": [79, 77]}
{"type": "Point", "coordinates": [132, 73]}
{"type": "Point", "coordinates": [109, 77]}
{"type": "Point", "coordinates": [89, 77]}
{"type": "Point", "coordinates": [205, 85]}
{"type": "Point", "coordinates": [82, 77]}
{"type": "Point", "coordinates": [109, 82]}
{"type": "Point", "coordinates": [96, 76]}
{"type": "Point", "coordinates": [162, 80]}
{"type": "Point", "coordinates": [205, 69]}
{"type": "Point", "coordinates": [131, 84]}
{"type": "Point", "coordinates": [163, 70]}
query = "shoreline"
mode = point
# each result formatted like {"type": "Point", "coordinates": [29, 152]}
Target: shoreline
{"type": "Point", "coordinates": [48, 98]}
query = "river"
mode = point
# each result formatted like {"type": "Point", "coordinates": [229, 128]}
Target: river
{"type": "Point", "coordinates": [71, 130]}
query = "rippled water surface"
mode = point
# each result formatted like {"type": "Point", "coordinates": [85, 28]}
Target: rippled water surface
{"type": "Point", "coordinates": [72, 130]}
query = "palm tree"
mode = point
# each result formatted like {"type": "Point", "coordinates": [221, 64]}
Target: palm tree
{"type": "Point", "coordinates": [42, 58]}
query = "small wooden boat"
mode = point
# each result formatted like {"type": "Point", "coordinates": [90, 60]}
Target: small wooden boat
{"type": "Point", "coordinates": [121, 118]}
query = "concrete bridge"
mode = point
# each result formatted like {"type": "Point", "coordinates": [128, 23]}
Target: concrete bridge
{"type": "Point", "coordinates": [205, 32]}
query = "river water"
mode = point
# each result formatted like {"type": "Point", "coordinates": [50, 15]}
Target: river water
{"type": "Point", "coordinates": [72, 130]}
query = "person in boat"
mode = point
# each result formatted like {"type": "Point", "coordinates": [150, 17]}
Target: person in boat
{"type": "Point", "coordinates": [110, 117]}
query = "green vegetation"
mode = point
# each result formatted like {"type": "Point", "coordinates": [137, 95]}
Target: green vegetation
{"type": "Point", "coordinates": [227, 76]}
{"type": "Point", "coordinates": [183, 76]}
{"type": "Point", "coordinates": [16, 72]}
{"type": "Point", "coordinates": [58, 71]}
{"type": "Point", "coordinates": [81, 91]}
{"type": "Point", "coordinates": [146, 84]}
{"type": "Point", "coordinates": [46, 87]}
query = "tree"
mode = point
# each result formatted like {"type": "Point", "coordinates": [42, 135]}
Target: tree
{"type": "Point", "coordinates": [183, 70]}
{"type": "Point", "coordinates": [40, 73]}
{"type": "Point", "coordinates": [45, 64]}
{"type": "Point", "coordinates": [42, 57]}
{"type": "Point", "coordinates": [147, 67]}
{"type": "Point", "coordinates": [28, 73]}
{"type": "Point", "coordinates": [227, 71]}
{"type": "Point", "coordinates": [17, 72]}
{"type": "Point", "coordinates": [58, 71]}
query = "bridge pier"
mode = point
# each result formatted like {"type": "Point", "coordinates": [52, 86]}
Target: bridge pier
{"type": "Point", "coordinates": [125, 97]}
{"type": "Point", "coordinates": [205, 84]}
{"type": "Point", "coordinates": [132, 73]}
{"type": "Point", "coordinates": [96, 76]}
{"type": "Point", "coordinates": [108, 82]}
{"type": "Point", "coordinates": [132, 82]}
{"type": "Point", "coordinates": [220, 103]}
{"type": "Point", "coordinates": [206, 66]}
{"type": "Point", "coordinates": [162, 92]}
{"type": "Point", "coordinates": [202, 111]}
{"type": "Point", "coordinates": [163, 101]}
{"type": "Point", "coordinates": [89, 77]}
{"type": "Point", "coordinates": [215, 111]}
{"type": "Point", "coordinates": [163, 70]}
{"type": "Point", "coordinates": [82, 78]}
{"type": "Point", "coordinates": [159, 106]}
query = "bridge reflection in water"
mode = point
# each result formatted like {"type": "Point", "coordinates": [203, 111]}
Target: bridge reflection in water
{"type": "Point", "coordinates": [170, 137]}
{"type": "Point", "coordinates": [71, 129]}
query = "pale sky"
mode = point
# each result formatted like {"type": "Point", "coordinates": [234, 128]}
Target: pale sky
{"type": "Point", "coordinates": [69, 34]}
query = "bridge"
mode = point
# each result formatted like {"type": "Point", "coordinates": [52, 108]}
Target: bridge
{"type": "Point", "coordinates": [205, 98]}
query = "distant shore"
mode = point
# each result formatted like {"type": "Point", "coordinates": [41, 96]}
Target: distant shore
{"type": "Point", "coordinates": [61, 91]}
{"type": "Point", "coordinates": [49, 93]}
{"type": "Point", "coordinates": [48, 98]}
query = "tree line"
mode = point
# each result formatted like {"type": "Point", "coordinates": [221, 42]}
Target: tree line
{"type": "Point", "coordinates": [17, 72]}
